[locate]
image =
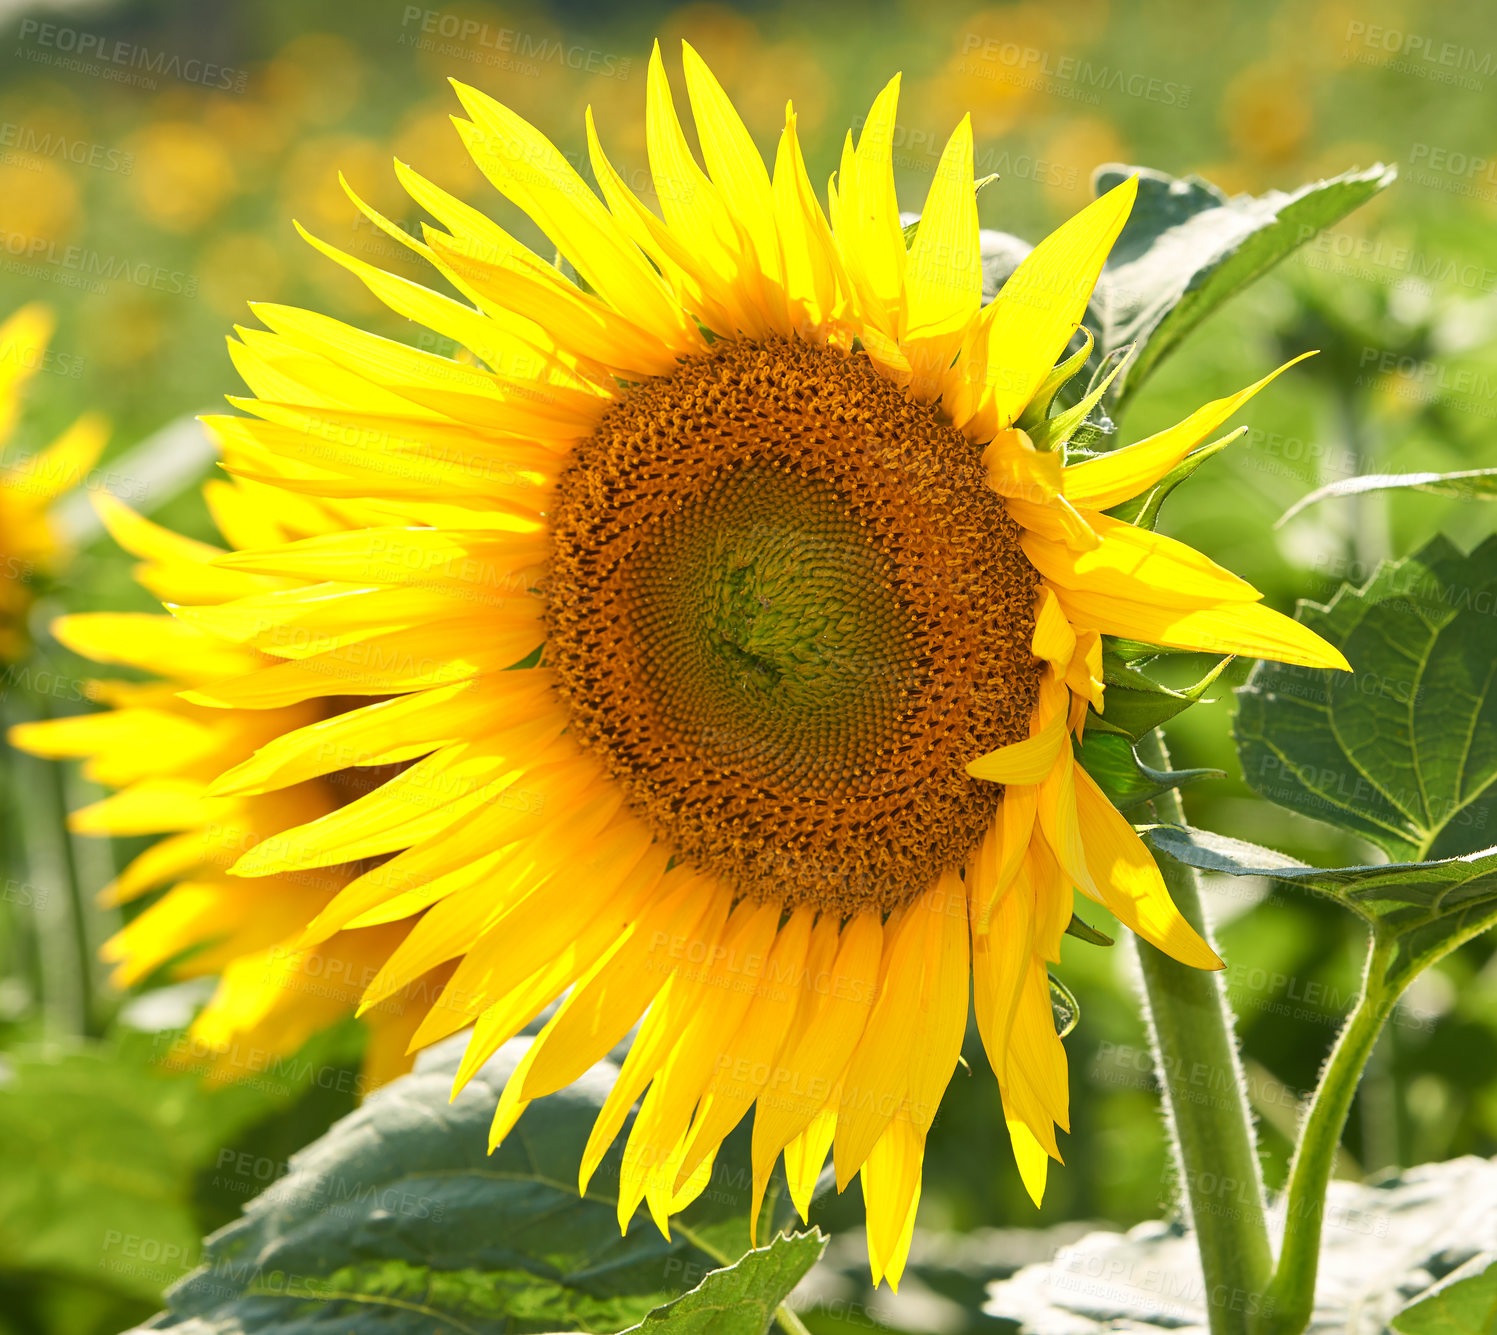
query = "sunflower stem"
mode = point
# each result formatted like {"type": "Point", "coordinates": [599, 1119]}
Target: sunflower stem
{"type": "Point", "coordinates": [1206, 1103]}
{"type": "Point", "coordinates": [1291, 1295]}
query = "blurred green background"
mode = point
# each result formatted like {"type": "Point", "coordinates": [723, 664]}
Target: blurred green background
{"type": "Point", "coordinates": [149, 197]}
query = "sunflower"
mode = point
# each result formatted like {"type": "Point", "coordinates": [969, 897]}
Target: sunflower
{"type": "Point", "coordinates": [728, 631]}
{"type": "Point", "coordinates": [29, 542]}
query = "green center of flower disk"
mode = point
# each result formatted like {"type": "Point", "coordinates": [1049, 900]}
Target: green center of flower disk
{"type": "Point", "coordinates": [785, 610]}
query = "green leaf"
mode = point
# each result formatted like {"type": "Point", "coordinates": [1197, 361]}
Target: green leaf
{"type": "Point", "coordinates": [398, 1217]}
{"type": "Point", "coordinates": [1143, 511]}
{"type": "Point", "coordinates": [1064, 1008]}
{"type": "Point", "coordinates": [96, 1183]}
{"type": "Point", "coordinates": [1187, 247]}
{"type": "Point", "coordinates": [1110, 759]}
{"type": "Point", "coordinates": [1477, 484]}
{"type": "Point", "coordinates": [1402, 750]}
{"type": "Point", "coordinates": [102, 1147]}
{"type": "Point", "coordinates": [740, 1299]}
{"type": "Point", "coordinates": [1430, 907]}
{"type": "Point", "coordinates": [1463, 1304]}
{"type": "Point", "coordinates": [1084, 931]}
{"type": "Point", "coordinates": [1135, 704]}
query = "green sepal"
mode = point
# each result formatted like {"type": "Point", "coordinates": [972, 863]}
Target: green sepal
{"type": "Point", "coordinates": [1064, 1008]}
{"type": "Point", "coordinates": [1055, 432]}
{"type": "Point", "coordinates": [1143, 510]}
{"type": "Point", "coordinates": [1135, 704]}
{"type": "Point", "coordinates": [1039, 406]}
{"type": "Point", "coordinates": [1084, 931]}
{"type": "Point", "coordinates": [1127, 782]}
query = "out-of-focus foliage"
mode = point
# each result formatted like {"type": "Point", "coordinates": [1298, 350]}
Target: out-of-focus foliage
{"type": "Point", "coordinates": [153, 153]}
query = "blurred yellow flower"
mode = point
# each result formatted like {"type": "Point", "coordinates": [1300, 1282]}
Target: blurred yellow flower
{"type": "Point", "coordinates": [315, 77]}
{"type": "Point", "coordinates": [28, 543]}
{"type": "Point", "coordinates": [38, 205]}
{"type": "Point", "coordinates": [239, 266]}
{"type": "Point", "coordinates": [183, 175]}
{"type": "Point", "coordinates": [1266, 112]}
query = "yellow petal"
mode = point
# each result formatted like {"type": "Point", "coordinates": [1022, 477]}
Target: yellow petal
{"type": "Point", "coordinates": [868, 223]}
{"type": "Point", "coordinates": [527, 168]}
{"type": "Point", "coordinates": [1250, 629]}
{"type": "Point", "coordinates": [891, 1192]}
{"type": "Point", "coordinates": [1136, 564]}
{"type": "Point", "coordinates": [744, 1063]}
{"type": "Point", "coordinates": [606, 1004]}
{"type": "Point", "coordinates": [735, 165]}
{"type": "Point", "coordinates": [23, 341]}
{"type": "Point", "coordinates": [814, 279]}
{"type": "Point", "coordinates": [943, 282]}
{"type": "Point", "coordinates": [1043, 301]}
{"type": "Point", "coordinates": [1030, 1155]}
{"type": "Point", "coordinates": [1025, 762]}
{"type": "Point", "coordinates": [1100, 484]}
{"type": "Point", "coordinates": [814, 1059]}
{"type": "Point", "coordinates": [389, 664]}
{"type": "Point", "coordinates": [694, 207]}
{"type": "Point", "coordinates": [805, 1157]}
{"type": "Point", "coordinates": [1129, 882]}
{"type": "Point", "coordinates": [1054, 640]}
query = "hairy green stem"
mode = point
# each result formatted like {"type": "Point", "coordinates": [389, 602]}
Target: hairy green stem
{"type": "Point", "coordinates": [1291, 1299]}
{"type": "Point", "coordinates": [1205, 1095]}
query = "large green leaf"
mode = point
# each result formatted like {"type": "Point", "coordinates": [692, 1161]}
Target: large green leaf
{"type": "Point", "coordinates": [1187, 247]}
{"type": "Point", "coordinates": [96, 1183]}
{"type": "Point", "coordinates": [1476, 484]}
{"type": "Point", "coordinates": [1403, 749]}
{"type": "Point", "coordinates": [1465, 1304]}
{"type": "Point", "coordinates": [1428, 907]}
{"type": "Point", "coordinates": [739, 1299]}
{"type": "Point", "coordinates": [399, 1216]}
{"type": "Point", "coordinates": [102, 1150]}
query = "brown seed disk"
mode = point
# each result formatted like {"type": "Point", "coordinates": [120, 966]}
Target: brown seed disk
{"type": "Point", "coordinates": [785, 610]}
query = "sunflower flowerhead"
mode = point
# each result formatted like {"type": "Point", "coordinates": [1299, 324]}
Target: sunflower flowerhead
{"type": "Point", "coordinates": [715, 657]}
